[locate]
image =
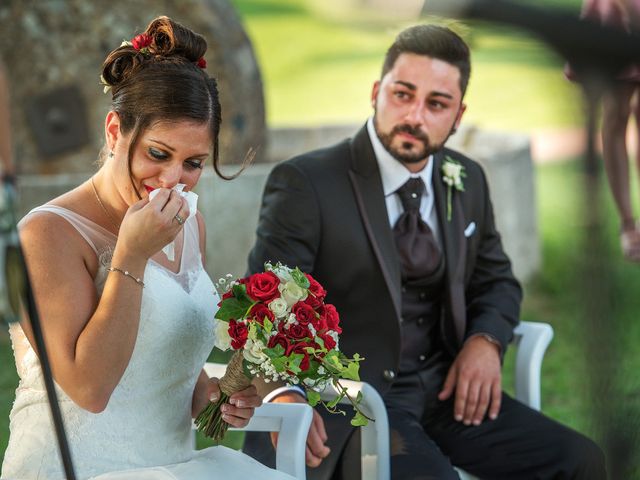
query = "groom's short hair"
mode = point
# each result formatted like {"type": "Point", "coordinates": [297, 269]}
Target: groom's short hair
{"type": "Point", "coordinates": [432, 41]}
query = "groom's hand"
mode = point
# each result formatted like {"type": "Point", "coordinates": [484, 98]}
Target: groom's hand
{"type": "Point", "coordinates": [316, 449]}
{"type": "Point", "coordinates": [475, 377]}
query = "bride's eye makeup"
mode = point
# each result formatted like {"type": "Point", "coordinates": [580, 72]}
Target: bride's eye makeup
{"type": "Point", "coordinates": [157, 154]}
{"type": "Point", "coordinates": [195, 163]}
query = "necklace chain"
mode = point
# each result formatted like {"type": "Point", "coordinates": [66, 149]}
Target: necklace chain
{"type": "Point", "coordinates": [104, 209]}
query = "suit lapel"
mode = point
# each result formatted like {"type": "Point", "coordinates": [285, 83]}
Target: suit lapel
{"type": "Point", "coordinates": [455, 246]}
{"type": "Point", "coordinates": [367, 187]}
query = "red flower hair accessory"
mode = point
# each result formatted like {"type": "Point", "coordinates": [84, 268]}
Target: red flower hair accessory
{"type": "Point", "coordinates": [141, 42]}
{"type": "Point", "coordinates": [202, 63]}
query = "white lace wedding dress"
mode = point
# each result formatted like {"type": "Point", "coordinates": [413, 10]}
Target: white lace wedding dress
{"type": "Point", "coordinates": [145, 431]}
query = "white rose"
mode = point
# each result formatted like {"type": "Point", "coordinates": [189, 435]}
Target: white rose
{"type": "Point", "coordinates": [283, 273]}
{"type": "Point", "coordinates": [292, 293]}
{"type": "Point", "coordinates": [223, 340]}
{"type": "Point", "coordinates": [279, 307]}
{"type": "Point", "coordinates": [452, 170]}
{"type": "Point", "coordinates": [291, 320]}
{"type": "Point", "coordinates": [253, 351]}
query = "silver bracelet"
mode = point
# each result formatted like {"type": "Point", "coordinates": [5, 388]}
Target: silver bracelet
{"type": "Point", "coordinates": [127, 274]}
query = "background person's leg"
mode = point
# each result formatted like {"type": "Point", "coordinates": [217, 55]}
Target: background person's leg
{"type": "Point", "coordinates": [616, 109]}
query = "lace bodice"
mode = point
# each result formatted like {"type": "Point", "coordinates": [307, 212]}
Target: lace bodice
{"type": "Point", "coordinates": [148, 419]}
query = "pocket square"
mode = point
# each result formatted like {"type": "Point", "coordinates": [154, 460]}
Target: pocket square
{"type": "Point", "coordinates": [470, 229]}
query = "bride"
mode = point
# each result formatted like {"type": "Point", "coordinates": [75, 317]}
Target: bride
{"type": "Point", "coordinates": [127, 320]}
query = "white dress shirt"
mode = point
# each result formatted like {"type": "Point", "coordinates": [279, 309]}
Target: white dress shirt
{"type": "Point", "coordinates": [394, 174]}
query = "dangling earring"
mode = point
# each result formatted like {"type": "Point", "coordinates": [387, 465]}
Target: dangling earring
{"type": "Point", "coordinates": [111, 154]}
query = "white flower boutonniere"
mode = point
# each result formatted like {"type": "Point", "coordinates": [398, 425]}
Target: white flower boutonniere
{"type": "Point", "coordinates": [452, 175]}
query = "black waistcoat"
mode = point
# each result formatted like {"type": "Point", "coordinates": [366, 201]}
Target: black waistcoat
{"type": "Point", "coordinates": [420, 325]}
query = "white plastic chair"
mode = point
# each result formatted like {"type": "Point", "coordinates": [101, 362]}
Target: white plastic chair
{"type": "Point", "coordinates": [531, 341]}
{"type": "Point", "coordinates": [292, 421]}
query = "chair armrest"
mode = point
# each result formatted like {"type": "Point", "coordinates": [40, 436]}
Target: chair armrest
{"type": "Point", "coordinates": [375, 435]}
{"type": "Point", "coordinates": [531, 340]}
{"type": "Point", "coordinates": [291, 420]}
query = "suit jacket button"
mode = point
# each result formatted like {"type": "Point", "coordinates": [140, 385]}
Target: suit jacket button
{"type": "Point", "coordinates": [423, 295]}
{"type": "Point", "coordinates": [389, 375]}
{"type": "Point", "coordinates": [420, 320]}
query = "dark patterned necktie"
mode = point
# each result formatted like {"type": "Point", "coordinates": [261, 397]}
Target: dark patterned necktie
{"type": "Point", "coordinates": [418, 250]}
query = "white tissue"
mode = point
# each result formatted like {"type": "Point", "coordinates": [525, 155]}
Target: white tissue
{"type": "Point", "coordinates": [192, 201]}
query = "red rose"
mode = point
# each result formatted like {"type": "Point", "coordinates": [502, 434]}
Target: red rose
{"type": "Point", "coordinates": [300, 348]}
{"type": "Point", "coordinates": [304, 313]}
{"type": "Point", "coordinates": [238, 332]}
{"type": "Point", "coordinates": [316, 292]}
{"type": "Point", "coordinates": [299, 331]}
{"type": "Point", "coordinates": [141, 41]}
{"type": "Point", "coordinates": [263, 287]}
{"type": "Point", "coordinates": [279, 339]}
{"type": "Point", "coordinates": [202, 63]}
{"type": "Point", "coordinates": [328, 340]}
{"type": "Point", "coordinates": [331, 317]}
{"type": "Point", "coordinates": [259, 311]}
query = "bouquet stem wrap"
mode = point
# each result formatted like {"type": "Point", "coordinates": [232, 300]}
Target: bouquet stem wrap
{"type": "Point", "coordinates": [210, 421]}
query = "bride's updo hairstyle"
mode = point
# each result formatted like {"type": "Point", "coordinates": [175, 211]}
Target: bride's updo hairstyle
{"type": "Point", "coordinates": [160, 77]}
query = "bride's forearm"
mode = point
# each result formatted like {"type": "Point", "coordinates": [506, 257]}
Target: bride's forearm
{"type": "Point", "coordinates": [104, 347]}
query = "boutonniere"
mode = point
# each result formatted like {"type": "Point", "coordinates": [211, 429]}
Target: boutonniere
{"type": "Point", "coordinates": [452, 175]}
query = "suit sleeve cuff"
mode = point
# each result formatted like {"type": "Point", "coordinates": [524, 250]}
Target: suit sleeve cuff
{"type": "Point", "coordinates": [279, 391]}
{"type": "Point", "coordinates": [489, 338]}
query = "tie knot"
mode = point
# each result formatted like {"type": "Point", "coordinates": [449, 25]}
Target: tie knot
{"type": "Point", "coordinates": [411, 193]}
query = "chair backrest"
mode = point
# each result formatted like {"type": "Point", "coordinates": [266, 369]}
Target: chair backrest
{"type": "Point", "coordinates": [374, 436]}
{"type": "Point", "coordinates": [292, 421]}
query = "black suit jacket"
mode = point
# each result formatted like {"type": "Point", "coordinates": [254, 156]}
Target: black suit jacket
{"type": "Point", "coordinates": [325, 212]}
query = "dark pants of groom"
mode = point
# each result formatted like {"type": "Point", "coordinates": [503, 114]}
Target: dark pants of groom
{"type": "Point", "coordinates": [517, 439]}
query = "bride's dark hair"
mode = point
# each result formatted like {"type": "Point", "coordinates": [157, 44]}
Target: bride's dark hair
{"type": "Point", "coordinates": [163, 82]}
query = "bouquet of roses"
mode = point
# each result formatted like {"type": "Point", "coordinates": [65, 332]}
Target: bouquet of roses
{"type": "Point", "coordinates": [281, 329]}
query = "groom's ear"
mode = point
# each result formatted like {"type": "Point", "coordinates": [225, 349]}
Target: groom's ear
{"type": "Point", "coordinates": [374, 93]}
{"type": "Point", "coordinates": [461, 110]}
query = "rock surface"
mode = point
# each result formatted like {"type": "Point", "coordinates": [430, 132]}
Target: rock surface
{"type": "Point", "coordinates": [51, 44]}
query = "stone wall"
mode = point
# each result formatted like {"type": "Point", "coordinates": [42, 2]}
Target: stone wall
{"type": "Point", "coordinates": [54, 51]}
{"type": "Point", "coordinates": [231, 231]}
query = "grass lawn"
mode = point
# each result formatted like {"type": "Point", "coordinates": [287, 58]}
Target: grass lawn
{"type": "Point", "coordinates": [318, 69]}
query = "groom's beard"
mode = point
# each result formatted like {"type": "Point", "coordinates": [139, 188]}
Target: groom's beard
{"type": "Point", "coordinates": [407, 152]}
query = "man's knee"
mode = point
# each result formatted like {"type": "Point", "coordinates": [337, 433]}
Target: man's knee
{"type": "Point", "coordinates": [584, 458]}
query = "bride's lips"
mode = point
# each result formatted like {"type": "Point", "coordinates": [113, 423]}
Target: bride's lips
{"type": "Point", "coordinates": [149, 189]}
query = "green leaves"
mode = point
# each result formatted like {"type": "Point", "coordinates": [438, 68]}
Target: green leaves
{"type": "Point", "coordinates": [313, 397]}
{"type": "Point", "coordinates": [235, 307]}
{"type": "Point", "coordinates": [351, 372]}
{"type": "Point", "coordinates": [300, 278]}
{"type": "Point", "coordinates": [359, 420]}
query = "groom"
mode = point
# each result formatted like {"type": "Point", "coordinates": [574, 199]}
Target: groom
{"type": "Point", "coordinates": [400, 231]}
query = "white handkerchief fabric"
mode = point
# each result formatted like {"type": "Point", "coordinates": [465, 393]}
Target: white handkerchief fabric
{"type": "Point", "coordinates": [192, 201]}
{"type": "Point", "coordinates": [470, 229]}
